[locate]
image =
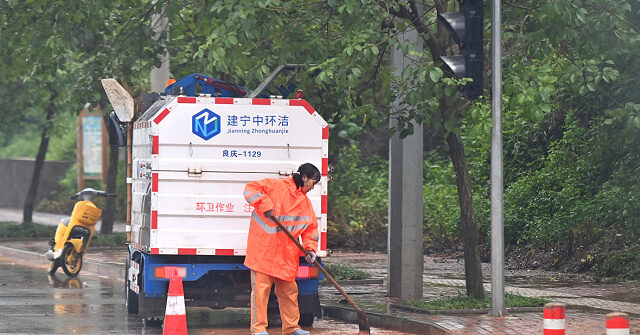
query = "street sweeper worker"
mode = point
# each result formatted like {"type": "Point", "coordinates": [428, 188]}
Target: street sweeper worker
{"type": "Point", "coordinates": [271, 255]}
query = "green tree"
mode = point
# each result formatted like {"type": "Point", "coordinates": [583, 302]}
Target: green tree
{"type": "Point", "coordinates": [349, 40]}
{"type": "Point", "coordinates": [58, 49]}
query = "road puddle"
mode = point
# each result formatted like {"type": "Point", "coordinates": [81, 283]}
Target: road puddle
{"type": "Point", "coordinates": [65, 282]}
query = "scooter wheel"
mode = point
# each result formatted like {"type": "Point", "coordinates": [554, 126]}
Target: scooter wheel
{"type": "Point", "coordinates": [71, 261]}
{"type": "Point", "coordinates": [53, 266]}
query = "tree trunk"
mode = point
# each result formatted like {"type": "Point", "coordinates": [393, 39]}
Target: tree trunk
{"type": "Point", "coordinates": [30, 200]}
{"type": "Point", "coordinates": [108, 214]}
{"type": "Point", "coordinates": [472, 264]}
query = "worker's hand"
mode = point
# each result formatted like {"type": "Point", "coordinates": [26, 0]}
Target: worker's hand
{"type": "Point", "coordinates": [269, 214]}
{"type": "Point", "coordinates": [311, 257]}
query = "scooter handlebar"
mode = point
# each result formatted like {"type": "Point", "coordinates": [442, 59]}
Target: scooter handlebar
{"type": "Point", "coordinates": [90, 192]}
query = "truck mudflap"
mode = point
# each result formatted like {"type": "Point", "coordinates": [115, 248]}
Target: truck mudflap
{"type": "Point", "coordinates": [308, 278]}
{"type": "Point", "coordinates": [310, 304]}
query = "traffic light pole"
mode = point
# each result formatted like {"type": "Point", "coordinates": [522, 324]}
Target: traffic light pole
{"type": "Point", "coordinates": [497, 188]}
{"type": "Point", "coordinates": [405, 260]}
{"type": "Point", "coordinates": [159, 75]}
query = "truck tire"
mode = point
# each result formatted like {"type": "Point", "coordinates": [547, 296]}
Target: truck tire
{"type": "Point", "coordinates": [131, 297]}
{"type": "Point", "coordinates": [306, 319]}
{"type": "Point", "coordinates": [152, 321]}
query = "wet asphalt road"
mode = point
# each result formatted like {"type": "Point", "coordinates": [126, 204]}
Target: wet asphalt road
{"type": "Point", "coordinates": [31, 302]}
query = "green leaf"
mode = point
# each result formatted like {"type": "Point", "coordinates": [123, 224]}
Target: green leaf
{"type": "Point", "coordinates": [348, 50]}
{"type": "Point", "coordinates": [450, 124]}
{"type": "Point", "coordinates": [435, 74]}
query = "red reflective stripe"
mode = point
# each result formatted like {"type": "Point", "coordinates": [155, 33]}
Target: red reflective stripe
{"type": "Point", "coordinates": [162, 115]}
{"type": "Point", "coordinates": [307, 272]}
{"type": "Point", "coordinates": [617, 323]}
{"type": "Point", "coordinates": [154, 182]}
{"type": "Point", "coordinates": [323, 207]}
{"type": "Point", "coordinates": [224, 252]}
{"type": "Point", "coordinates": [189, 100]}
{"type": "Point", "coordinates": [154, 219]}
{"type": "Point", "coordinates": [325, 133]}
{"type": "Point", "coordinates": [553, 332]}
{"type": "Point", "coordinates": [175, 324]}
{"type": "Point", "coordinates": [155, 146]}
{"type": "Point", "coordinates": [325, 166]}
{"type": "Point", "coordinates": [323, 242]}
{"type": "Point", "coordinates": [303, 103]}
{"type": "Point", "coordinates": [261, 102]}
{"type": "Point", "coordinates": [155, 251]}
{"type": "Point", "coordinates": [553, 313]}
{"type": "Point", "coordinates": [228, 101]}
{"type": "Point", "coordinates": [187, 251]}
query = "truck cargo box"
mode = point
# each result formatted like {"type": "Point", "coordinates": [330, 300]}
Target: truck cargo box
{"type": "Point", "coordinates": [192, 157]}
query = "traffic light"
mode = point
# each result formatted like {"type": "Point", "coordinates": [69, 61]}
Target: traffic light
{"type": "Point", "coordinates": [465, 27]}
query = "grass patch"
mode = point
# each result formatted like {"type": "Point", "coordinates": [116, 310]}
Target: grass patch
{"type": "Point", "coordinates": [35, 230]}
{"type": "Point", "coordinates": [466, 302]}
{"type": "Point", "coordinates": [109, 240]}
{"type": "Point", "coordinates": [13, 230]}
{"type": "Point", "coordinates": [343, 272]}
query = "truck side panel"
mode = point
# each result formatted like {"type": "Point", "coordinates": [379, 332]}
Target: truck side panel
{"type": "Point", "coordinates": [193, 158]}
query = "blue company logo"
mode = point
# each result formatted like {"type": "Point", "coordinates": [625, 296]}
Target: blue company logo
{"type": "Point", "coordinates": [206, 124]}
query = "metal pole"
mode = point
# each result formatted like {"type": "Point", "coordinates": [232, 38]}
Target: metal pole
{"type": "Point", "coordinates": [405, 260]}
{"type": "Point", "coordinates": [497, 189]}
{"type": "Point", "coordinates": [159, 75]}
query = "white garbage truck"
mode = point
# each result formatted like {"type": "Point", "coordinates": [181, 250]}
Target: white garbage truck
{"type": "Point", "coordinates": [191, 156]}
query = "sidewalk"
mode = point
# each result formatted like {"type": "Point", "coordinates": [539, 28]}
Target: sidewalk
{"type": "Point", "coordinates": [587, 303]}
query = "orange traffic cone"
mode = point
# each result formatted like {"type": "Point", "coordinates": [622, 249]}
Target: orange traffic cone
{"type": "Point", "coordinates": [175, 318]}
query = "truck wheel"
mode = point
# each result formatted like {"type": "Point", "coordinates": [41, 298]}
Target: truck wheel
{"type": "Point", "coordinates": [71, 261]}
{"type": "Point", "coordinates": [306, 319]}
{"type": "Point", "coordinates": [152, 321]}
{"type": "Point", "coordinates": [130, 297]}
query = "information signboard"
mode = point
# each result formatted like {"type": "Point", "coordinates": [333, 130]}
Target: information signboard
{"type": "Point", "coordinates": [92, 148]}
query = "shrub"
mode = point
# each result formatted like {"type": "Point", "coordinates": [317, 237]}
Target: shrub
{"type": "Point", "coordinates": [358, 202]}
{"type": "Point", "coordinates": [343, 272]}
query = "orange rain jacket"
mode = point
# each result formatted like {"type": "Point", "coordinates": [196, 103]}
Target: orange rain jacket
{"type": "Point", "coordinates": [269, 249]}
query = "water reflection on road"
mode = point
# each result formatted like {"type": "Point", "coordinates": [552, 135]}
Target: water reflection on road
{"type": "Point", "coordinates": [32, 302]}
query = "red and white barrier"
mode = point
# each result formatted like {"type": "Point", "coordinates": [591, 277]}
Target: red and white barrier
{"type": "Point", "coordinates": [175, 318]}
{"type": "Point", "coordinates": [554, 319]}
{"type": "Point", "coordinates": [617, 324]}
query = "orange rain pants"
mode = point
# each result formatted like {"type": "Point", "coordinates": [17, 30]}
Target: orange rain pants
{"type": "Point", "coordinates": [287, 293]}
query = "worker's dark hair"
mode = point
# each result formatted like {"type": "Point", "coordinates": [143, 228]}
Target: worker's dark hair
{"type": "Point", "coordinates": [306, 169]}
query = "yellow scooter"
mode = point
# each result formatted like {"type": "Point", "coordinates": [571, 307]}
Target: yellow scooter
{"type": "Point", "coordinates": [74, 233]}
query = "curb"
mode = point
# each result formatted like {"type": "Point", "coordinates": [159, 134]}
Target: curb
{"type": "Point", "coordinates": [352, 282]}
{"type": "Point", "coordinates": [462, 311]}
{"type": "Point", "coordinates": [384, 321]}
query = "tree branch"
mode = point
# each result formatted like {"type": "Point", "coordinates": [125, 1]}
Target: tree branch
{"type": "Point", "coordinates": [516, 6]}
{"type": "Point", "coordinates": [631, 24]}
